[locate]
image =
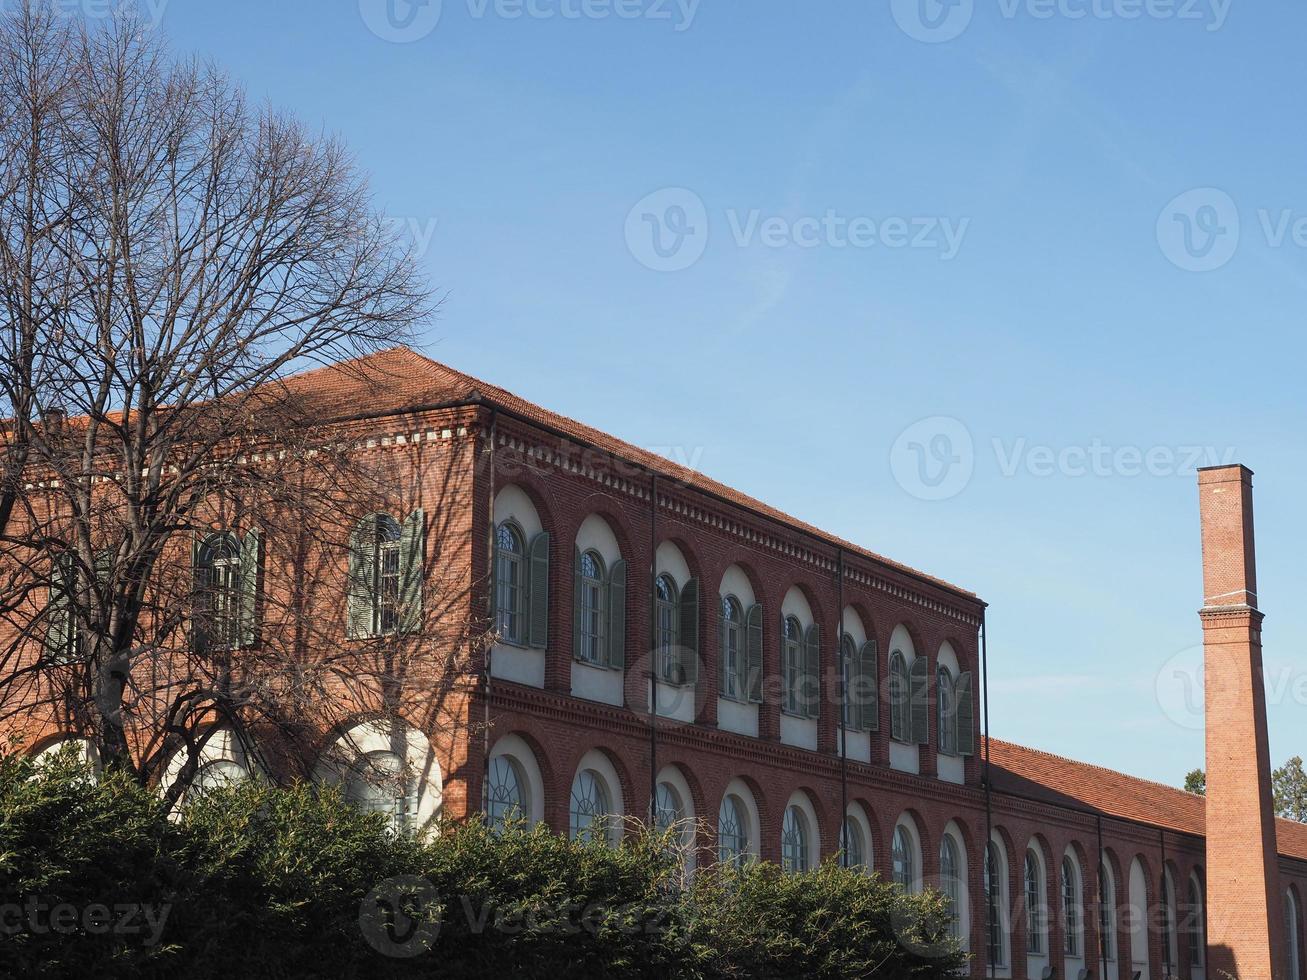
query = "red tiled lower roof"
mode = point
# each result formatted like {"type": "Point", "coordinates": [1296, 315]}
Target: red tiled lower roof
{"type": "Point", "coordinates": [399, 379]}
{"type": "Point", "coordinates": [1079, 785]}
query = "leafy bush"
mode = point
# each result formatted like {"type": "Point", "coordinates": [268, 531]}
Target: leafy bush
{"type": "Point", "coordinates": [256, 881]}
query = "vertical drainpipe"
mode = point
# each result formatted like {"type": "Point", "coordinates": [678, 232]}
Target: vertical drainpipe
{"type": "Point", "coordinates": [490, 598]}
{"type": "Point", "coordinates": [844, 709]}
{"type": "Point", "coordinates": [989, 790]}
{"type": "Point", "coordinates": [653, 648]}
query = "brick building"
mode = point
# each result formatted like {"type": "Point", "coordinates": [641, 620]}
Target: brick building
{"type": "Point", "coordinates": [649, 641]}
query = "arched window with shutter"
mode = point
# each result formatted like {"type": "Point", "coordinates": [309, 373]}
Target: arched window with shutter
{"type": "Point", "coordinates": [733, 658]}
{"type": "Point", "coordinates": [792, 664]}
{"type": "Point", "coordinates": [667, 630]}
{"type": "Point", "coordinates": [226, 579]}
{"type": "Point", "coordinates": [385, 575]}
{"type": "Point", "coordinates": [950, 883]}
{"type": "Point", "coordinates": [592, 605]}
{"type": "Point", "coordinates": [1036, 922]}
{"type": "Point", "coordinates": [947, 709]}
{"type": "Point", "coordinates": [511, 583]}
{"type": "Point", "coordinates": [1072, 922]}
{"type": "Point", "coordinates": [900, 698]}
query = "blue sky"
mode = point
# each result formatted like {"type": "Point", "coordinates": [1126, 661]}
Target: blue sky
{"type": "Point", "coordinates": [1063, 233]}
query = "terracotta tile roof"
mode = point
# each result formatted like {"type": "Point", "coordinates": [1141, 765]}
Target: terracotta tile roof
{"type": "Point", "coordinates": [399, 379]}
{"type": "Point", "coordinates": [1060, 781]}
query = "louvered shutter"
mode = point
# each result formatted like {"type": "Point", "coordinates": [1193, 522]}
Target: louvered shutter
{"type": "Point", "coordinates": [60, 625]}
{"type": "Point", "coordinates": [361, 586]}
{"type": "Point", "coordinates": [810, 688]}
{"type": "Point", "coordinates": [412, 554]}
{"type": "Point", "coordinates": [577, 585]}
{"type": "Point", "coordinates": [251, 557]}
{"type": "Point", "coordinates": [689, 633]}
{"type": "Point", "coordinates": [867, 669]}
{"type": "Point", "coordinates": [753, 637]}
{"type": "Point", "coordinates": [537, 603]}
{"type": "Point", "coordinates": [919, 686]}
{"type": "Point", "coordinates": [617, 616]}
{"type": "Point", "coordinates": [966, 716]}
{"type": "Point", "coordinates": [200, 582]}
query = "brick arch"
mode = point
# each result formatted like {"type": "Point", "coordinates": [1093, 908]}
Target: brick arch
{"type": "Point", "coordinates": [811, 595]}
{"type": "Point", "coordinates": [543, 760]}
{"type": "Point", "coordinates": [544, 507]}
{"type": "Point", "coordinates": [615, 760]}
{"type": "Point", "coordinates": [697, 798]}
{"type": "Point", "coordinates": [864, 614]}
{"type": "Point", "coordinates": [602, 505]}
{"type": "Point", "coordinates": [871, 814]}
{"type": "Point", "coordinates": [691, 552]}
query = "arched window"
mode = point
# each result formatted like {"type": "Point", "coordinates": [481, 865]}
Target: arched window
{"type": "Point", "coordinates": [667, 633]}
{"type": "Point", "coordinates": [379, 784]}
{"type": "Point", "coordinates": [217, 774]}
{"type": "Point", "coordinates": [733, 664]}
{"type": "Point", "coordinates": [792, 665]}
{"type": "Point", "coordinates": [510, 583]}
{"type": "Point", "coordinates": [1107, 911]}
{"type": "Point", "coordinates": [732, 832]}
{"type": "Point", "coordinates": [1194, 926]}
{"type": "Point", "coordinates": [950, 882]}
{"type": "Point", "coordinates": [1170, 938]}
{"type": "Point", "coordinates": [947, 707]}
{"type": "Point", "coordinates": [901, 854]}
{"type": "Point", "coordinates": [995, 901]}
{"type": "Point", "coordinates": [593, 608]}
{"type": "Point", "coordinates": [853, 844]}
{"type": "Point", "coordinates": [221, 589]}
{"type": "Point", "coordinates": [1293, 930]}
{"type": "Point", "coordinates": [590, 815]}
{"type": "Point", "coordinates": [668, 808]}
{"type": "Point", "coordinates": [848, 668]}
{"type": "Point", "coordinates": [1037, 927]}
{"type": "Point", "coordinates": [794, 840]}
{"type": "Point", "coordinates": [505, 793]}
{"type": "Point", "coordinates": [1071, 923]}
{"type": "Point", "coordinates": [900, 700]}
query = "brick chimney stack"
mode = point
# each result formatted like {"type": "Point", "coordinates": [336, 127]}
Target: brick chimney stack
{"type": "Point", "coordinates": [1245, 923]}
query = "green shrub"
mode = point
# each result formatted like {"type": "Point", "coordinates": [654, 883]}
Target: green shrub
{"type": "Point", "coordinates": [257, 881]}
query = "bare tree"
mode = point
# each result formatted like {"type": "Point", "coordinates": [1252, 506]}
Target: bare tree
{"type": "Point", "coordinates": [169, 255]}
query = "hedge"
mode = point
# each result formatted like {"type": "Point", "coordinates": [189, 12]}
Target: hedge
{"type": "Point", "coordinates": [98, 880]}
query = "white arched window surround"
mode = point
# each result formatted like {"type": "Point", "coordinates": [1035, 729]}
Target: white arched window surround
{"type": "Point", "coordinates": [1072, 900]}
{"type": "Point", "coordinates": [1107, 915]}
{"type": "Point", "coordinates": [223, 759]}
{"type": "Point", "coordinates": [855, 839]}
{"type": "Point", "coordinates": [738, 825]}
{"type": "Point", "coordinates": [674, 807]}
{"type": "Point", "coordinates": [514, 781]}
{"type": "Point", "coordinates": [595, 806]}
{"type": "Point", "coordinates": [953, 877]}
{"type": "Point", "coordinates": [1035, 887]}
{"type": "Point", "coordinates": [800, 840]}
{"type": "Point", "coordinates": [995, 889]}
{"type": "Point", "coordinates": [905, 854]}
{"type": "Point", "coordinates": [390, 767]}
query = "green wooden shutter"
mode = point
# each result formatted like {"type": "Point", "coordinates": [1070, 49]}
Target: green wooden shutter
{"type": "Point", "coordinates": [811, 692]}
{"type": "Point", "coordinates": [689, 630]}
{"type": "Point", "coordinates": [251, 558]}
{"type": "Point", "coordinates": [753, 637]}
{"type": "Point", "coordinates": [617, 616]}
{"type": "Point", "coordinates": [966, 716]}
{"type": "Point", "coordinates": [537, 601]}
{"type": "Point", "coordinates": [866, 669]}
{"type": "Point", "coordinates": [721, 649]}
{"type": "Point", "coordinates": [919, 686]}
{"type": "Point", "coordinates": [199, 597]}
{"type": "Point", "coordinates": [59, 624]}
{"type": "Point", "coordinates": [412, 554]}
{"type": "Point", "coordinates": [577, 585]}
{"type": "Point", "coordinates": [360, 588]}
